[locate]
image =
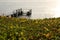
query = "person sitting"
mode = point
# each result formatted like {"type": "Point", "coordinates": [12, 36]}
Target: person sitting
{"type": "Point", "coordinates": [12, 15]}
{"type": "Point", "coordinates": [28, 13]}
{"type": "Point", "coordinates": [20, 13]}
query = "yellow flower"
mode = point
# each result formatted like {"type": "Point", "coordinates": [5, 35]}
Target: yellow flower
{"type": "Point", "coordinates": [46, 28]}
{"type": "Point", "coordinates": [36, 22]}
{"type": "Point", "coordinates": [46, 35]}
{"type": "Point", "coordinates": [24, 38]}
{"type": "Point", "coordinates": [11, 26]}
{"type": "Point", "coordinates": [21, 33]}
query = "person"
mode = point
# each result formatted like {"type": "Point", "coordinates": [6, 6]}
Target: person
{"type": "Point", "coordinates": [12, 15]}
{"type": "Point", "coordinates": [20, 13]}
{"type": "Point", "coordinates": [29, 13]}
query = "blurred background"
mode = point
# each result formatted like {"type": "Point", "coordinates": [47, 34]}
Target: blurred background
{"type": "Point", "coordinates": [40, 8]}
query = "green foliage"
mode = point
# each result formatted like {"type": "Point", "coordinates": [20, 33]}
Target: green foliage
{"type": "Point", "coordinates": [29, 29]}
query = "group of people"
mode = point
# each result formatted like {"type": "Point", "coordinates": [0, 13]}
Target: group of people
{"type": "Point", "coordinates": [19, 13]}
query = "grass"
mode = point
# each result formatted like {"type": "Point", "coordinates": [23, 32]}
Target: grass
{"type": "Point", "coordinates": [29, 29]}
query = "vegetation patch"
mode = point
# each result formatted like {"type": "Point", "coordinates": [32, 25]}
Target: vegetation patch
{"type": "Point", "coordinates": [29, 29]}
